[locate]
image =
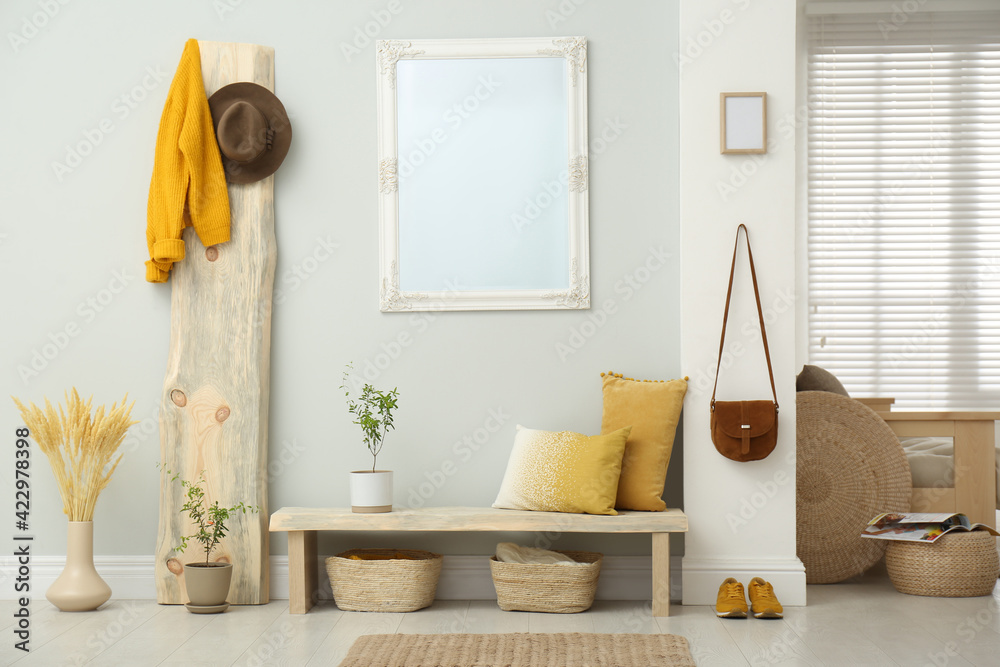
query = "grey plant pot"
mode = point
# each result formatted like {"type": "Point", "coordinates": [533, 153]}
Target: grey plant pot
{"type": "Point", "coordinates": [207, 584]}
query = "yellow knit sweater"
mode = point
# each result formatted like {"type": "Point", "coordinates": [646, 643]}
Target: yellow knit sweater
{"type": "Point", "coordinates": [188, 187]}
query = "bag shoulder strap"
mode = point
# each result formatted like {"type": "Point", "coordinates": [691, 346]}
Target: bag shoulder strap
{"type": "Point", "coordinates": [760, 314]}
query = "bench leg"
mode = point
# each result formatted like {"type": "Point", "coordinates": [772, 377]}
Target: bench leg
{"type": "Point", "coordinates": [661, 574]}
{"type": "Point", "coordinates": [302, 584]}
{"type": "Point", "coordinates": [974, 494]}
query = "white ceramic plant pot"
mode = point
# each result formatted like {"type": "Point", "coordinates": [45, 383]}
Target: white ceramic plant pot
{"type": "Point", "coordinates": [371, 492]}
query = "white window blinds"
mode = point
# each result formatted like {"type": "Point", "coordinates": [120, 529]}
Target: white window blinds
{"type": "Point", "coordinates": [904, 205]}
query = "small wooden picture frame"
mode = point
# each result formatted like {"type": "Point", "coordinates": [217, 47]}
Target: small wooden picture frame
{"type": "Point", "coordinates": [743, 122]}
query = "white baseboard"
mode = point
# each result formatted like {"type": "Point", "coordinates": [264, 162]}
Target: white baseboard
{"type": "Point", "coordinates": [701, 577]}
{"type": "Point", "coordinates": [130, 577]}
{"type": "Point", "coordinates": [462, 577]}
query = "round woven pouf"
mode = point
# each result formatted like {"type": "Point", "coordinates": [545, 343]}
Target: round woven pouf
{"type": "Point", "coordinates": [849, 468]}
{"type": "Point", "coordinates": [956, 565]}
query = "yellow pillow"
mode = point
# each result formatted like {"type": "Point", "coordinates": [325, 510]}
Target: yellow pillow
{"type": "Point", "coordinates": [653, 410]}
{"type": "Point", "coordinates": [563, 472]}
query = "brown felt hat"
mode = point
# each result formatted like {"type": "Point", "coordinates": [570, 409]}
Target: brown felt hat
{"type": "Point", "coordinates": [252, 129]}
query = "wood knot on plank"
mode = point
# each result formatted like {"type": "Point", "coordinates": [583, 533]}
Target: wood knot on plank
{"type": "Point", "coordinates": [175, 566]}
{"type": "Point", "coordinates": [222, 414]}
{"type": "Point", "coordinates": [178, 397]}
{"type": "Point", "coordinates": [212, 253]}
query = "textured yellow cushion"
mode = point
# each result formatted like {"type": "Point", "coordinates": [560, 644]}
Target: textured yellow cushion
{"type": "Point", "coordinates": [652, 409]}
{"type": "Point", "coordinates": [563, 472]}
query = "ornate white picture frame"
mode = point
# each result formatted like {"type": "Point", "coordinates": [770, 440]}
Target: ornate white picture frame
{"type": "Point", "coordinates": [454, 218]}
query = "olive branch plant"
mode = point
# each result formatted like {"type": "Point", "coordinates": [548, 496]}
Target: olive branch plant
{"type": "Point", "coordinates": [210, 520]}
{"type": "Point", "coordinates": [372, 411]}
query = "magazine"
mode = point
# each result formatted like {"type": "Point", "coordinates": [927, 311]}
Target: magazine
{"type": "Point", "coordinates": [919, 527]}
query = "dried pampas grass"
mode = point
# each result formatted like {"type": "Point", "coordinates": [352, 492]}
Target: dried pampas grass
{"type": "Point", "coordinates": [79, 446]}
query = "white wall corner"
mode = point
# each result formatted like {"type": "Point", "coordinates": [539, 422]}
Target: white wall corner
{"type": "Point", "coordinates": [702, 577]}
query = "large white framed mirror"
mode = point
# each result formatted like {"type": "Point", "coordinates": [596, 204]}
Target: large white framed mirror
{"type": "Point", "coordinates": [483, 175]}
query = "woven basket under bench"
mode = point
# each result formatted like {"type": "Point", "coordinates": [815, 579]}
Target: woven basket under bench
{"type": "Point", "coordinates": [560, 589]}
{"type": "Point", "coordinates": [955, 565]}
{"type": "Point", "coordinates": [389, 584]}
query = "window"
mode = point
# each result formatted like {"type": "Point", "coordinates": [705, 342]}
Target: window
{"type": "Point", "coordinates": [904, 204]}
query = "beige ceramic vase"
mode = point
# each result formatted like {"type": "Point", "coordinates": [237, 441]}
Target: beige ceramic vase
{"type": "Point", "coordinates": [79, 587]}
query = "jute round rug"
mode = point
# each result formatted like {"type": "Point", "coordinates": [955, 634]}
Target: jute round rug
{"type": "Point", "coordinates": [520, 650]}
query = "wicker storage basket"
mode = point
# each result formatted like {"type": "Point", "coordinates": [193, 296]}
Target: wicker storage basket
{"type": "Point", "coordinates": [956, 565]}
{"type": "Point", "coordinates": [384, 585]}
{"type": "Point", "coordinates": [560, 589]}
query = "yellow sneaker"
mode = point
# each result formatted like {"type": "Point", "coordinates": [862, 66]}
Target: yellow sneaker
{"type": "Point", "coordinates": [762, 600]}
{"type": "Point", "coordinates": [731, 602]}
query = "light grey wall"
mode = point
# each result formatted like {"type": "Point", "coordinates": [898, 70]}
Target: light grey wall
{"type": "Point", "coordinates": [72, 248]}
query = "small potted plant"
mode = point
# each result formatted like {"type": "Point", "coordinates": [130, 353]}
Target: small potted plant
{"type": "Point", "coordinates": [207, 582]}
{"type": "Point", "coordinates": [371, 490]}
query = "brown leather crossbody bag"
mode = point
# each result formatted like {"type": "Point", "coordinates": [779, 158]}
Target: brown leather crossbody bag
{"type": "Point", "coordinates": [744, 430]}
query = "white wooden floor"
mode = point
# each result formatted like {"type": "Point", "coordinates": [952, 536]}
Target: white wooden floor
{"type": "Point", "coordinates": [864, 622]}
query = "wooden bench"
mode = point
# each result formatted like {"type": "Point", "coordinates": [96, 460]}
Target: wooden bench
{"type": "Point", "coordinates": [974, 488]}
{"type": "Point", "coordinates": [302, 524]}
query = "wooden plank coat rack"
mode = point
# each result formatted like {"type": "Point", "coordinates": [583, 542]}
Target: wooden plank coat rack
{"type": "Point", "coordinates": [214, 409]}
